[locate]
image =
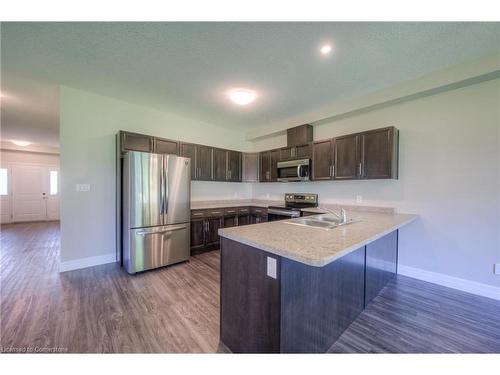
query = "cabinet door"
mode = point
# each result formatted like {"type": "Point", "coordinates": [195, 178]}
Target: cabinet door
{"type": "Point", "coordinates": [303, 151]}
{"type": "Point", "coordinates": [274, 158]}
{"type": "Point", "coordinates": [379, 153]}
{"type": "Point", "coordinates": [197, 234]}
{"type": "Point", "coordinates": [265, 162]}
{"type": "Point", "coordinates": [230, 217]}
{"type": "Point", "coordinates": [234, 165]}
{"type": "Point", "coordinates": [212, 235]}
{"type": "Point", "coordinates": [136, 142]}
{"type": "Point", "coordinates": [287, 153]}
{"type": "Point", "coordinates": [166, 146]}
{"type": "Point", "coordinates": [204, 162]}
{"type": "Point", "coordinates": [243, 220]}
{"type": "Point", "coordinates": [188, 150]}
{"type": "Point", "coordinates": [250, 167]}
{"type": "Point", "coordinates": [220, 165]}
{"type": "Point", "coordinates": [322, 160]}
{"type": "Point", "coordinates": [346, 160]}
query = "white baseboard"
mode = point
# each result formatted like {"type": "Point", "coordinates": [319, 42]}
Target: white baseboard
{"type": "Point", "coordinates": [77, 264]}
{"type": "Point", "coordinates": [473, 287]}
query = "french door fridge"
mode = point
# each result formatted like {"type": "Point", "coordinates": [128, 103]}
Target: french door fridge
{"type": "Point", "coordinates": [156, 210]}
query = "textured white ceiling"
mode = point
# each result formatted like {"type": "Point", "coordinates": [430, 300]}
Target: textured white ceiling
{"type": "Point", "coordinates": [186, 67]}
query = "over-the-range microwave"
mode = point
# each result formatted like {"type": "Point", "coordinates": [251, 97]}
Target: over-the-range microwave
{"type": "Point", "coordinates": [294, 170]}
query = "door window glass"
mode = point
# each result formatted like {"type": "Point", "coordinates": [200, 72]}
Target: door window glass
{"type": "Point", "coordinates": [3, 182]}
{"type": "Point", "coordinates": [54, 183]}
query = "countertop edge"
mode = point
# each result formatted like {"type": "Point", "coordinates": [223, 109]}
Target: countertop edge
{"type": "Point", "coordinates": [316, 262]}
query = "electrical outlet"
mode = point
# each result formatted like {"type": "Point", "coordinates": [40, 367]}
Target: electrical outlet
{"type": "Point", "coordinates": [272, 267]}
{"type": "Point", "coordinates": [359, 199]}
{"type": "Point", "coordinates": [82, 187]}
{"type": "Point", "coordinates": [496, 269]}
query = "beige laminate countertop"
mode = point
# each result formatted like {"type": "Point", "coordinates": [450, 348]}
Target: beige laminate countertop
{"type": "Point", "coordinates": [315, 246]}
{"type": "Point", "coordinates": [203, 205]}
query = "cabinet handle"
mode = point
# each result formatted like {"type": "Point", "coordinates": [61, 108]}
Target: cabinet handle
{"type": "Point", "coordinates": [359, 169]}
{"type": "Point", "coordinates": [333, 170]}
{"type": "Point", "coordinates": [208, 226]}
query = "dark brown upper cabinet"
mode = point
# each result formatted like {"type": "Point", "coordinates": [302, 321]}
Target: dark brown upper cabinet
{"type": "Point", "coordinates": [227, 165]}
{"type": "Point", "coordinates": [233, 166]}
{"type": "Point", "coordinates": [204, 163]}
{"type": "Point", "coordinates": [347, 164]}
{"type": "Point", "coordinates": [269, 165]}
{"type": "Point", "coordinates": [379, 153]}
{"type": "Point", "coordinates": [265, 166]}
{"type": "Point", "coordinates": [188, 150]}
{"type": "Point", "coordinates": [165, 146]}
{"type": "Point", "coordinates": [201, 160]}
{"type": "Point", "coordinates": [295, 152]}
{"type": "Point", "coordinates": [250, 167]}
{"type": "Point", "coordinates": [299, 135]}
{"type": "Point", "coordinates": [220, 165]}
{"type": "Point", "coordinates": [322, 160]}
{"type": "Point", "coordinates": [274, 158]}
{"type": "Point", "coordinates": [135, 142]}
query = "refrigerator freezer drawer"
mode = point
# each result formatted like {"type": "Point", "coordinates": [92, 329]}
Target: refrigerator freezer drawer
{"type": "Point", "coordinates": [156, 247]}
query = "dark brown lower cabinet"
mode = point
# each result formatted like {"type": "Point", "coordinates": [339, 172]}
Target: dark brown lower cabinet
{"type": "Point", "coordinates": [204, 232]}
{"type": "Point", "coordinates": [205, 224]}
{"type": "Point", "coordinates": [243, 220]}
{"type": "Point", "coordinates": [197, 235]}
{"type": "Point", "coordinates": [304, 309]}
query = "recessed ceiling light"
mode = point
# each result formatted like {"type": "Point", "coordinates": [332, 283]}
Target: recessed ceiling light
{"type": "Point", "coordinates": [242, 96]}
{"type": "Point", "coordinates": [325, 49]}
{"type": "Point", "coordinates": [21, 143]}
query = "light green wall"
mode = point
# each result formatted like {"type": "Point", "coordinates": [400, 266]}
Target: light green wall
{"type": "Point", "coordinates": [88, 125]}
{"type": "Point", "coordinates": [449, 175]}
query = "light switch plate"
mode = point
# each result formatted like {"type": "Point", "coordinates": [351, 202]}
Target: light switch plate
{"type": "Point", "coordinates": [359, 199]}
{"type": "Point", "coordinates": [496, 268]}
{"type": "Point", "coordinates": [82, 187]}
{"type": "Point", "coordinates": [271, 267]}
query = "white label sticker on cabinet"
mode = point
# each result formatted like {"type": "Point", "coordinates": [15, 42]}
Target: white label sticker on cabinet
{"type": "Point", "coordinates": [271, 267]}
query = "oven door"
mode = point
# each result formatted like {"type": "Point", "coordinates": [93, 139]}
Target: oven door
{"type": "Point", "coordinates": [275, 214]}
{"type": "Point", "coordinates": [293, 170]}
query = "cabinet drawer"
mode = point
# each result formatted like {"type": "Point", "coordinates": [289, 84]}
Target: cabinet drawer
{"type": "Point", "coordinates": [196, 214]}
{"type": "Point", "coordinates": [215, 212]}
{"type": "Point", "coordinates": [243, 210]}
{"type": "Point", "coordinates": [231, 211]}
{"type": "Point", "coordinates": [258, 211]}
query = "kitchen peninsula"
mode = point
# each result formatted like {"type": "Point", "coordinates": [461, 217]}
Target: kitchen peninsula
{"type": "Point", "coordinates": [292, 288]}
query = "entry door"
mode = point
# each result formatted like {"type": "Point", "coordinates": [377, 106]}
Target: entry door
{"type": "Point", "coordinates": [29, 192]}
{"type": "Point", "coordinates": [52, 196]}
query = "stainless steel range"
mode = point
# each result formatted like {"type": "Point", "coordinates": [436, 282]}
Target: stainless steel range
{"type": "Point", "coordinates": [293, 204]}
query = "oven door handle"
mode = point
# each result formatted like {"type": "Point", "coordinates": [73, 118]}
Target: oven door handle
{"type": "Point", "coordinates": [273, 211]}
{"type": "Point", "coordinates": [299, 168]}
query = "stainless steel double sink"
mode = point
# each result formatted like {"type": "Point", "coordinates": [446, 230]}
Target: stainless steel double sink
{"type": "Point", "coordinates": [325, 221]}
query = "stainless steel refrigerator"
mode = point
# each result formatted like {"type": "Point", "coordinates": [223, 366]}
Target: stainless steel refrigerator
{"type": "Point", "coordinates": [156, 210]}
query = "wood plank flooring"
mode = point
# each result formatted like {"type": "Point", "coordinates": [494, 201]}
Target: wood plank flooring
{"type": "Point", "coordinates": [176, 309]}
{"type": "Point", "coordinates": [103, 309]}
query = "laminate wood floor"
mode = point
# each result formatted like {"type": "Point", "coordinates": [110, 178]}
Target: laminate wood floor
{"type": "Point", "coordinates": [176, 309]}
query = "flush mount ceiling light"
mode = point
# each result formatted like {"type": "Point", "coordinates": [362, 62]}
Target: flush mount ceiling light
{"type": "Point", "coordinates": [242, 96]}
{"type": "Point", "coordinates": [21, 143]}
{"type": "Point", "coordinates": [326, 49]}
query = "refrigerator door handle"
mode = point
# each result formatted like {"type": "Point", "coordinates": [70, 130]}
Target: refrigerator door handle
{"type": "Point", "coordinates": [162, 187]}
{"type": "Point", "coordinates": [166, 230]}
{"type": "Point", "coordinates": [165, 183]}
